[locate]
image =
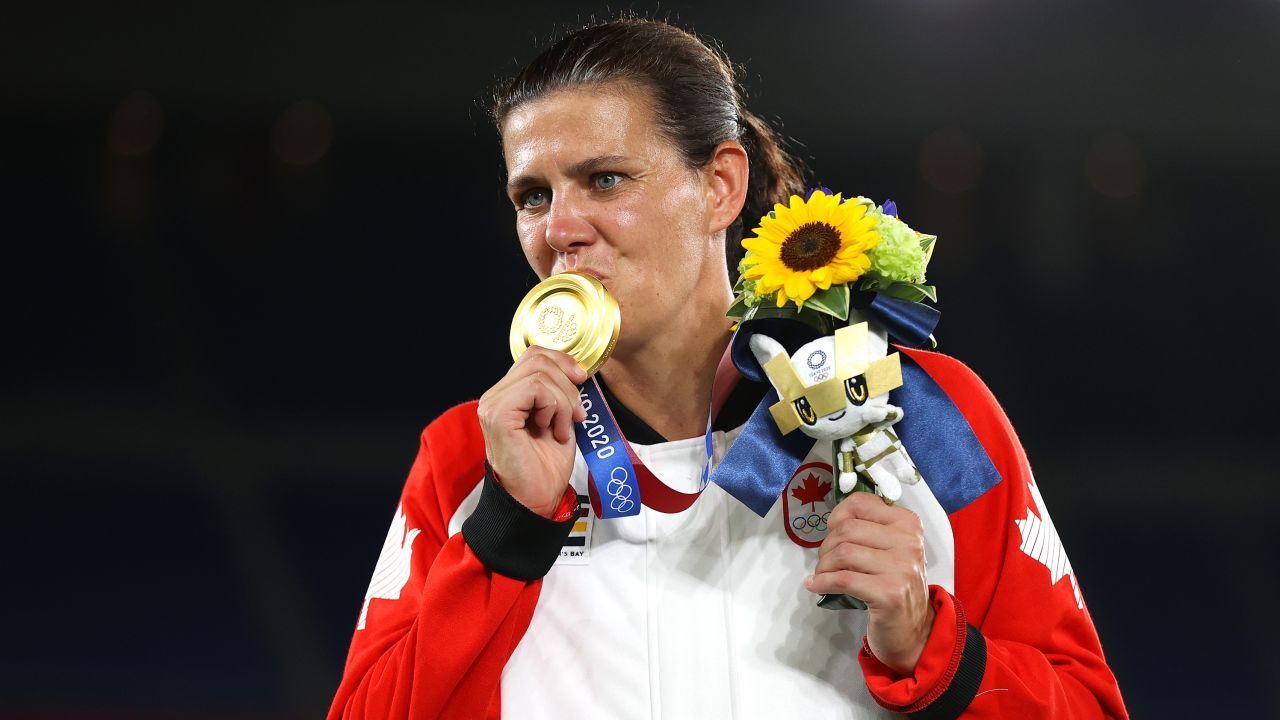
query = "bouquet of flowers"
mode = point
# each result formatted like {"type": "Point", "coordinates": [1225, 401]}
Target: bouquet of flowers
{"type": "Point", "coordinates": [807, 259]}
{"type": "Point", "coordinates": [813, 261]}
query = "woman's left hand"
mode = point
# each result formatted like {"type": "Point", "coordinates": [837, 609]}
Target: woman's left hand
{"type": "Point", "coordinates": [875, 552]}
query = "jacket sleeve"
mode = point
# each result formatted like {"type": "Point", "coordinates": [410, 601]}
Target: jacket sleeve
{"type": "Point", "coordinates": [1016, 639]}
{"type": "Point", "coordinates": [438, 623]}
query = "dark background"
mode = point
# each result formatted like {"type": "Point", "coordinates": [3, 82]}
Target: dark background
{"type": "Point", "coordinates": [250, 251]}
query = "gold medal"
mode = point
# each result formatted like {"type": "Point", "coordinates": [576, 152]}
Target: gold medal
{"type": "Point", "coordinates": [571, 312]}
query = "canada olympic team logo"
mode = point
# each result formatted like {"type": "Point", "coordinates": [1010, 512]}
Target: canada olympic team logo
{"type": "Point", "coordinates": [805, 507]}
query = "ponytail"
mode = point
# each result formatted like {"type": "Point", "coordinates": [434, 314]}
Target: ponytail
{"type": "Point", "coordinates": [774, 176]}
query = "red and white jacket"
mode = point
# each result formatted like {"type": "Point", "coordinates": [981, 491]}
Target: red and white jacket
{"type": "Point", "coordinates": [703, 613]}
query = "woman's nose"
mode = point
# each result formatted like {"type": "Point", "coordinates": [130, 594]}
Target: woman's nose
{"type": "Point", "coordinates": [568, 227]}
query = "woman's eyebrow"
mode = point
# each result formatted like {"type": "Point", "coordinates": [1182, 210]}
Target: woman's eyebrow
{"type": "Point", "coordinates": [521, 183]}
{"type": "Point", "coordinates": [582, 167]}
{"type": "Point", "coordinates": [590, 165]}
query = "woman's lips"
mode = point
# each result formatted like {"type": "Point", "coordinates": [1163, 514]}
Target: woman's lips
{"type": "Point", "coordinates": [586, 271]}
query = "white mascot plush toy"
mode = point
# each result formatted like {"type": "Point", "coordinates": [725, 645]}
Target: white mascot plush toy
{"type": "Point", "coordinates": [836, 388]}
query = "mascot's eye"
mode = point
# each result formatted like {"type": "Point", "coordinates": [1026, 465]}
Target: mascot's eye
{"type": "Point", "coordinates": [855, 388]}
{"type": "Point", "coordinates": [805, 410]}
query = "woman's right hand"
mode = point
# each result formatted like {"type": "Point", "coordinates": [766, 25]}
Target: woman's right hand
{"type": "Point", "coordinates": [527, 419]}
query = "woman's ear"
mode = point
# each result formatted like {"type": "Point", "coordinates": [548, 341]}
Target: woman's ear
{"type": "Point", "coordinates": [726, 180]}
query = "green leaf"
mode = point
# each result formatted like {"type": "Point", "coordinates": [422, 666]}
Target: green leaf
{"type": "Point", "coordinates": [914, 292]}
{"type": "Point", "coordinates": [742, 282]}
{"type": "Point", "coordinates": [738, 308]}
{"type": "Point", "coordinates": [926, 244]}
{"type": "Point", "coordinates": [825, 323]}
{"type": "Point", "coordinates": [769, 309]}
{"type": "Point", "coordinates": [822, 322]}
{"type": "Point", "coordinates": [833, 301]}
{"type": "Point", "coordinates": [870, 282]}
{"type": "Point", "coordinates": [903, 291]}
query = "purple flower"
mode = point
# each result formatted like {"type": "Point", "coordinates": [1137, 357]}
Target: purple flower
{"type": "Point", "coordinates": [890, 207]}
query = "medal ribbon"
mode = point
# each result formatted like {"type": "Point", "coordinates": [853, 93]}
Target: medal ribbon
{"type": "Point", "coordinates": [620, 482]}
{"type": "Point", "coordinates": [609, 458]}
{"type": "Point", "coordinates": [762, 459]}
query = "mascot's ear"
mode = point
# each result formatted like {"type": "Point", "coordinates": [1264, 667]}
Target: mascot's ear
{"type": "Point", "coordinates": [765, 348]}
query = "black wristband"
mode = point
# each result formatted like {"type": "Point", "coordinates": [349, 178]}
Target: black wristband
{"type": "Point", "coordinates": [964, 684]}
{"type": "Point", "coordinates": [509, 538]}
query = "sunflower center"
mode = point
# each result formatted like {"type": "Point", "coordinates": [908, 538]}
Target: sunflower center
{"type": "Point", "coordinates": [810, 246]}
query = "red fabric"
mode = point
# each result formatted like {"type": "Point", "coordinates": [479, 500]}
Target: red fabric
{"type": "Point", "coordinates": [937, 664]}
{"type": "Point", "coordinates": [568, 506]}
{"type": "Point", "coordinates": [1044, 659]}
{"type": "Point", "coordinates": [1043, 655]}
{"type": "Point", "coordinates": [405, 663]}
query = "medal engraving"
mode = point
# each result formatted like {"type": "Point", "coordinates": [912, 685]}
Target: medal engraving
{"type": "Point", "coordinates": [572, 313]}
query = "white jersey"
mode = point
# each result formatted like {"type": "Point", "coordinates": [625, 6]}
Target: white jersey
{"type": "Point", "coordinates": [702, 613]}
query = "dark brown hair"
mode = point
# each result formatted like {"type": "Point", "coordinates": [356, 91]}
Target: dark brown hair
{"type": "Point", "coordinates": [695, 95]}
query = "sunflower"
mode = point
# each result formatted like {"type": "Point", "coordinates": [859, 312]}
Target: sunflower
{"type": "Point", "coordinates": [810, 246]}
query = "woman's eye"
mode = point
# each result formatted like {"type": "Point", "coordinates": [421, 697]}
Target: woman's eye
{"type": "Point", "coordinates": [606, 181]}
{"type": "Point", "coordinates": [535, 198]}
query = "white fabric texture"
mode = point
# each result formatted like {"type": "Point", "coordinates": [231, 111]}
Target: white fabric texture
{"type": "Point", "coordinates": [701, 614]}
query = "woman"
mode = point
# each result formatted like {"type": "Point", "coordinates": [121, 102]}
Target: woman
{"type": "Point", "coordinates": [631, 158]}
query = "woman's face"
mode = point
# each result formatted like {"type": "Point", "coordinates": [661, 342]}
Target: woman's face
{"type": "Point", "coordinates": [598, 189]}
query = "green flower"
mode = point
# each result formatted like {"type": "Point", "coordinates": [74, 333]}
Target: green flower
{"type": "Point", "coordinates": [899, 256]}
{"type": "Point", "coordinates": [747, 288]}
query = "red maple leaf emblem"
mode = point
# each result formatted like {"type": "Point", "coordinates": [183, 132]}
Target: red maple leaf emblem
{"type": "Point", "coordinates": [811, 490]}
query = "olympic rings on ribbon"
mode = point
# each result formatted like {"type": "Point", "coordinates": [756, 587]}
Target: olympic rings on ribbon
{"type": "Point", "coordinates": [619, 491]}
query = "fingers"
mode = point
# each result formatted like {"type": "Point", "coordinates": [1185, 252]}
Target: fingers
{"type": "Point", "coordinates": [565, 375]}
{"type": "Point", "coordinates": [872, 508]}
{"type": "Point", "coordinates": [860, 532]}
{"type": "Point", "coordinates": [860, 558]}
{"type": "Point", "coordinates": [539, 390]}
{"type": "Point", "coordinates": [846, 582]}
{"type": "Point", "coordinates": [863, 520]}
{"type": "Point", "coordinates": [540, 360]}
{"type": "Point", "coordinates": [568, 366]}
{"type": "Point", "coordinates": [881, 578]}
{"type": "Point", "coordinates": [875, 552]}
{"type": "Point", "coordinates": [527, 419]}
{"type": "Point", "coordinates": [548, 407]}
{"type": "Point", "coordinates": [880, 592]}
{"type": "Point", "coordinates": [871, 551]}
